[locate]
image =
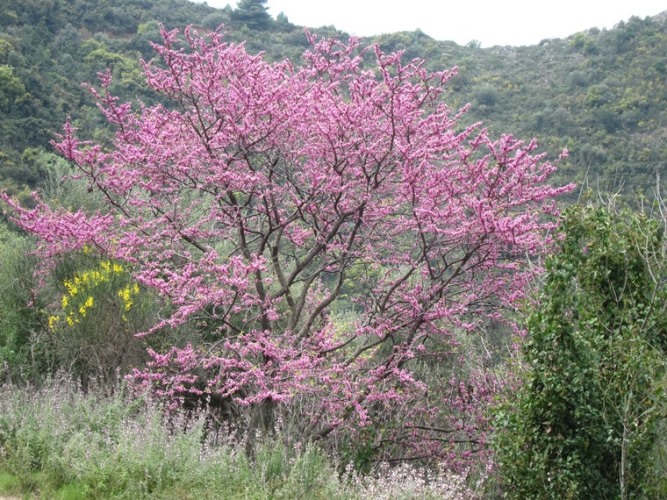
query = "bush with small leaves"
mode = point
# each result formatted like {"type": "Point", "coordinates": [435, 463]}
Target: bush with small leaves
{"type": "Point", "coordinates": [585, 421]}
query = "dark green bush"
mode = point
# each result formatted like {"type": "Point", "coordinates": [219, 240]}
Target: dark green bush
{"type": "Point", "coordinates": [585, 420]}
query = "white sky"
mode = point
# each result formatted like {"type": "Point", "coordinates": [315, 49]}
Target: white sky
{"type": "Point", "coordinates": [492, 22]}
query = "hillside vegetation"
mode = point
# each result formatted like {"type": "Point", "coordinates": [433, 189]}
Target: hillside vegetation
{"type": "Point", "coordinates": [600, 94]}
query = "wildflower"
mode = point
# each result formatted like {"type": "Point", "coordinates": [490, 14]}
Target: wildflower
{"type": "Point", "coordinates": [86, 284]}
{"type": "Point", "coordinates": [71, 287]}
{"type": "Point", "coordinates": [52, 321]}
{"type": "Point", "coordinates": [126, 295]}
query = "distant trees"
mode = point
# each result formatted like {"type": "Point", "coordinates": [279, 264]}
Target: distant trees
{"type": "Point", "coordinates": [486, 96]}
{"type": "Point", "coordinates": [12, 91]}
{"type": "Point", "coordinates": [252, 13]}
{"type": "Point", "coordinates": [615, 98]}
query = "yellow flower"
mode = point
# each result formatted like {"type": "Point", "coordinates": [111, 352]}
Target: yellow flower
{"type": "Point", "coordinates": [52, 321]}
{"type": "Point", "coordinates": [86, 284]}
{"type": "Point", "coordinates": [125, 294]}
{"type": "Point", "coordinates": [71, 287]}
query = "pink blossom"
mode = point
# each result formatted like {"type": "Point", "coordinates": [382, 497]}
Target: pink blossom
{"type": "Point", "coordinates": [269, 197]}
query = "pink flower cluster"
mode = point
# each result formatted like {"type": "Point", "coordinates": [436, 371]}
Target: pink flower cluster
{"type": "Point", "coordinates": [332, 219]}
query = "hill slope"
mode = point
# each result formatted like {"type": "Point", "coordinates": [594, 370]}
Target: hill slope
{"type": "Point", "coordinates": [601, 94]}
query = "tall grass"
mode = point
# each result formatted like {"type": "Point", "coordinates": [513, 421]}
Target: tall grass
{"type": "Point", "coordinates": [57, 442]}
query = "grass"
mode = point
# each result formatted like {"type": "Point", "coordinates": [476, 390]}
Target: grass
{"type": "Point", "coordinates": [9, 483]}
{"type": "Point", "coordinates": [56, 442]}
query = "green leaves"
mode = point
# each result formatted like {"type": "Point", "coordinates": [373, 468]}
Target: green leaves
{"type": "Point", "coordinates": [12, 90]}
{"type": "Point", "coordinates": [585, 418]}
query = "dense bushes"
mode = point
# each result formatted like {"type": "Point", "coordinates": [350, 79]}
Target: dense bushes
{"type": "Point", "coordinates": [23, 348]}
{"type": "Point", "coordinates": [587, 417]}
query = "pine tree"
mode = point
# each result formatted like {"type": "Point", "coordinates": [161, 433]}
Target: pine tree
{"type": "Point", "coordinates": [252, 13]}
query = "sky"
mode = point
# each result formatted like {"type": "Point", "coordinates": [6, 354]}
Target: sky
{"type": "Point", "coordinates": [491, 22]}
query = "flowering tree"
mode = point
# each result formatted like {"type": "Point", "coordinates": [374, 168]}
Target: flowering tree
{"type": "Point", "coordinates": [331, 222]}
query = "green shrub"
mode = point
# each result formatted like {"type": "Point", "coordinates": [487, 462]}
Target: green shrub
{"type": "Point", "coordinates": [22, 352]}
{"type": "Point", "coordinates": [100, 310]}
{"type": "Point", "coordinates": [584, 421]}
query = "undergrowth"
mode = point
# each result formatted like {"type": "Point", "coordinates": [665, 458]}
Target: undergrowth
{"type": "Point", "coordinates": [58, 442]}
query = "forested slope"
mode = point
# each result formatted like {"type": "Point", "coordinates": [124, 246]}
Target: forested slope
{"type": "Point", "coordinates": [601, 94]}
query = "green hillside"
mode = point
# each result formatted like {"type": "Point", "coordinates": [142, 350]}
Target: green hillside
{"type": "Point", "coordinates": [601, 94]}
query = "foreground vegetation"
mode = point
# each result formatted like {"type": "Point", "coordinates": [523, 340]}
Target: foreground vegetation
{"type": "Point", "coordinates": [589, 417]}
{"type": "Point", "coordinates": [57, 442]}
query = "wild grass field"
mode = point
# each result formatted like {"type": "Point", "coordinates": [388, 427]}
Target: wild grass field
{"type": "Point", "coordinates": [57, 442]}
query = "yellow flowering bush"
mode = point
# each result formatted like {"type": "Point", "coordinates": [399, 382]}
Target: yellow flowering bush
{"type": "Point", "coordinates": [99, 311]}
{"type": "Point", "coordinates": [109, 278]}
